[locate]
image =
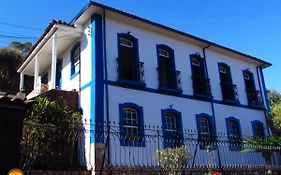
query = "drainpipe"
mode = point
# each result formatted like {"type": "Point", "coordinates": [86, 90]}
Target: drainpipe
{"type": "Point", "coordinates": [106, 86]}
{"type": "Point", "coordinates": [212, 100]}
{"type": "Point", "coordinates": [263, 96]}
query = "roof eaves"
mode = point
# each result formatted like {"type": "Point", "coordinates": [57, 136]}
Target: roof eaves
{"type": "Point", "coordinates": [46, 31]}
{"type": "Point", "coordinates": [264, 63]}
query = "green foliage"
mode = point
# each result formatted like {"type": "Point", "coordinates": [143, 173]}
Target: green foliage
{"type": "Point", "coordinates": [23, 47]}
{"type": "Point", "coordinates": [263, 145]}
{"type": "Point", "coordinates": [276, 117]}
{"type": "Point", "coordinates": [274, 98]}
{"type": "Point", "coordinates": [172, 160]}
{"type": "Point", "coordinates": [49, 135]}
{"type": "Point", "coordinates": [9, 78]}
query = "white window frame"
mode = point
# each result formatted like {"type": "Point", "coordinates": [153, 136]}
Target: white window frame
{"type": "Point", "coordinates": [126, 42]}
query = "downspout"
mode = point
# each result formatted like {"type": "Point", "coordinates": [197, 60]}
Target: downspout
{"type": "Point", "coordinates": [106, 86]}
{"type": "Point", "coordinates": [263, 91]}
{"type": "Point", "coordinates": [212, 100]}
{"type": "Point", "coordinates": [267, 108]}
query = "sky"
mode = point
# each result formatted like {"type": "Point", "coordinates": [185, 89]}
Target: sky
{"type": "Point", "coordinates": [252, 26]}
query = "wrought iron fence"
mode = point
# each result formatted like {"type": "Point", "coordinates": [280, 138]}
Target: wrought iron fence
{"type": "Point", "coordinates": [130, 69]}
{"type": "Point", "coordinates": [229, 92]}
{"type": "Point", "coordinates": [105, 148]}
{"type": "Point", "coordinates": [254, 97]}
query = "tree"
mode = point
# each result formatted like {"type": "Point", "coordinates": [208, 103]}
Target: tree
{"type": "Point", "coordinates": [9, 78]}
{"type": "Point", "coordinates": [10, 58]}
{"type": "Point", "coordinates": [23, 47]}
{"type": "Point", "coordinates": [274, 97]}
{"type": "Point", "coordinates": [49, 136]}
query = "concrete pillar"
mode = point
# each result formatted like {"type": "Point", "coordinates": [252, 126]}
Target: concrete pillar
{"type": "Point", "coordinates": [36, 71]}
{"type": "Point", "coordinates": [54, 62]}
{"type": "Point", "coordinates": [21, 81]}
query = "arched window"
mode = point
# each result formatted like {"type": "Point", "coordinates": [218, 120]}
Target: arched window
{"type": "Point", "coordinates": [172, 128]}
{"type": "Point", "coordinates": [252, 94]}
{"type": "Point", "coordinates": [131, 125]}
{"type": "Point", "coordinates": [206, 130]}
{"type": "Point", "coordinates": [75, 59]}
{"type": "Point", "coordinates": [229, 90]}
{"type": "Point", "coordinates": [168, 76]}
{"type": "Point", "coordinates": [201, 84]}
{"type": "Point", "coordinates": [234, 133]}
{"type": "Point", "coordinates": [130, 70]}
{"type": "Point", "coordinates": [258, 129]}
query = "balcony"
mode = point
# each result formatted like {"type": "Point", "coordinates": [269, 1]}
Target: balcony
{"type": "Point", "coordinates": [229, 93]}
{"type": "Point", "coordinates": [130, 72]}
{"type": "Point", "coordinates": [169, 81]}
{"type": "Point", "coordinates": [201, 86]}
{"type": "Point", "coordinates": [254, 98]}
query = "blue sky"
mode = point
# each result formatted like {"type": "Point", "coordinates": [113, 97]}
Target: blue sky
{"type": "Point", "coordinates": [252, 26]}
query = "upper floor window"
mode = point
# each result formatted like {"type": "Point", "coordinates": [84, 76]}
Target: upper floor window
{"type": "Point", "coordinates": [234, 133]}
{"type": "Point", "coordinates": [126, 43]}
{"type": "Point", "coordinates": [206, 130]}
{"type": "Point", "coordinates": [131, 125]}
{"type": "Point", "coordinates": [169, 78]}
{"type": "Point", "coordinates": [130, 70]}
{"type": "Point", "coordinates": [252, 93]}
{"type": "Point", "coordinates": [172, 128]}
{"type": "Point", "coordinates": [201, 84]}
{"type": "Point", "coordinates": [258, 129]}
{"type": "Point", "coordinates": [229, 90]}
{"type": "Point", "coordinates": [75, 59]}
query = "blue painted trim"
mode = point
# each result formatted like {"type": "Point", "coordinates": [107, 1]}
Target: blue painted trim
{"type": "Point", "coordinates": [265, 91]}
{"type": "Point", "coordinates": [59, 73]}
{"type": "Point", "coordinates": [251, 77]}
{"type": "Point", "coordinates": [139, 109]}
{"type": "Point", "coordinates": [227, 67]}
{"type": "Point", "coordinates": [131, 84]}
{"type": "Point", "coordinates": [97, 84]}
{"type": "Point", "coordinates": [167, 90]}
{"type": "Point", "coordinates": [74, 75]}
{"type": "Point", "coordinates": [169, 141]}
{"type": "Point", "coordinates": [151, 90]}
{"type": "Point", "coordinates": [86, 86]}
{"type": "Point", "coordinates": [203, 66]}
{"type": "Point", "coordinates": [72, 68]}
{"type": "Point", "coordinates": [254, 123]}
{"type": "Point", "coordinates": [233, 146]}
{"type": "Point", "coordinates": [172, 66]}
{"type": "Point", "coordinates": [212, 127]}
{"type": "Point", "coordinates": [167, 28]}
{"type": "Point", "coordinates": [136, 51]}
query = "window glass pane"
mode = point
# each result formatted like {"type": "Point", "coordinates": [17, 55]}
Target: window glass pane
{"type": "Point", "coordinates": [163, 53]}
{"type": "Point", "coordinates": [195, 62]}
{"type": "Point", "coordinates": [223, 70]}
{"type": "Point", "coordinates": [125, 42]}
{"type": "Point", "coordinates": [233, 127]}
{"type": "Point", "coordinates": [171, 124]}
{"type": "Point", "coordinates": [75, 58]}
{"type": "Point", "coordinates": [204, 126]}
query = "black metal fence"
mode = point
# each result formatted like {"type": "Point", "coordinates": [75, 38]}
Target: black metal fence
{"type": "Point", "coordinates": [121, 153]}
{"type": "Point", "coordinates": [107, 148]}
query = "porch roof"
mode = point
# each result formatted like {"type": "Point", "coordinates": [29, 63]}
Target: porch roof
{"type": "Point", "coordinates": [66, 34]}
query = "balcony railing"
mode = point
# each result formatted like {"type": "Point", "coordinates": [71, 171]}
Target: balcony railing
{"type": "Point", "coordinates": [169, 80]}
{"type": "Point", "coordinates": [254, 97]}
{"type": "Point", "coordinates": [201, 85]}
{"type": "Point", "coordinates": [130, 69]}
{"type": "Point", "coordinates": [229, 92]}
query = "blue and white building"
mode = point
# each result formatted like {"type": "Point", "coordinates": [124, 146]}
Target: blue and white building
{"type": "Point", "coordinates": [136, 72]}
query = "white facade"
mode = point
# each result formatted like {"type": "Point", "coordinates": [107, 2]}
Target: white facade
{"type": "Point", "coordinates": [101, 91]}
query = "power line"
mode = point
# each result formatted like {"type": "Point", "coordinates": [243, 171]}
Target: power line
{"type": "Point", "coordinates": [20, 26]}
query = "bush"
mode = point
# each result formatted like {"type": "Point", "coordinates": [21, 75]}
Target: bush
{"type": "Point", "coordinates": [172, 160]}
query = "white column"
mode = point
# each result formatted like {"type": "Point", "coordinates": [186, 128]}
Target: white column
{"type": "Point", "coordinates": [36, 72]}
{"type": "Point", "coordinates": [21, 81]}
{"type": "Point", "coordinates": [54, 62]}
